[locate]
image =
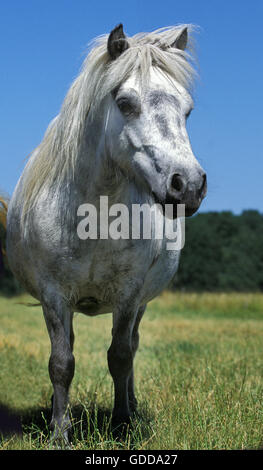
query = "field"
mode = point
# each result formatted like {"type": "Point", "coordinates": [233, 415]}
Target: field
{"type": "Point", "coordinates": [198, 373]}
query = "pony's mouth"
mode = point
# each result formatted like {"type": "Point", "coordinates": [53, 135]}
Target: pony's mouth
{"type": "Point", "coordinates": [174, 202]}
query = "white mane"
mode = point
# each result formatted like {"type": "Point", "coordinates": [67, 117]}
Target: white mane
{"type": "Point", "coordinates": [55, 159]}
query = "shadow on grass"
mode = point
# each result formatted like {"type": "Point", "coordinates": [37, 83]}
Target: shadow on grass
{"type": "Point", "coordinates": [10, 421]}
{"type": "Point", "coordinates": [90, 424]}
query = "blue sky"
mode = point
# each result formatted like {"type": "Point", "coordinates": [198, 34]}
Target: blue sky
{"type": "Point", "coordinates": [43, 45]}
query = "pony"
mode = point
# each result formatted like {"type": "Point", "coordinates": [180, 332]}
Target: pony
{"type": "Point", "coordinates": [120, 133]}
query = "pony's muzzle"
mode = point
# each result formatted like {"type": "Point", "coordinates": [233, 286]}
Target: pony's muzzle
{"type": "Point", "coordinates": [190, 191]}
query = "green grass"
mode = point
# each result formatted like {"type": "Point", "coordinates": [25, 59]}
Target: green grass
{"type": "Point", "coordinates": [198, 375]}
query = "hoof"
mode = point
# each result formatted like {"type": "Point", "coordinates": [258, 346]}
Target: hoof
{"type": "Point", "coordinates": [120, 426]}
{"type": "Point", "coordinates": [121, 419]}
{"type": "Point", "coordinates": [59, 434]}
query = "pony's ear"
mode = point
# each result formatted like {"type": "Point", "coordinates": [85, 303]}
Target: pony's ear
{"type": "Point", "coordinates": [117, 42]}
{"type": "Point", "coordinates": [181, 40]}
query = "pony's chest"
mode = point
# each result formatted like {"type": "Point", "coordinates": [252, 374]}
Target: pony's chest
{"type": "Point", "coordinates": [108, 272]}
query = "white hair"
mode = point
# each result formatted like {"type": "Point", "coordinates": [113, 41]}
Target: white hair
{"type": "Point", "coordinates": [54, 160]}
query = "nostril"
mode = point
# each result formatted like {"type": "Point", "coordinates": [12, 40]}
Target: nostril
{"type": "Point", "coordinates": [177, 183]}
{"type": "Point", "coordinates": [204, 186]}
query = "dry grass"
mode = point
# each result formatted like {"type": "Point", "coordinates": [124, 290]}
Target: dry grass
{"type": "Point", "coordinates": [198, 375]}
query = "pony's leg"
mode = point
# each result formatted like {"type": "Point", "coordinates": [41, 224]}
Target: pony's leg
{"type": "Point", "coordinates": [120, 361]}
{"type": "Point", "coordinates": [61, 365]}
{"type": "Point", "coordinates": [135, 344]}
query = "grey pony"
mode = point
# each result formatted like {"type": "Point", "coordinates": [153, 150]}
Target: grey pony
{"type": "Point", "coordinates": [132, 146]}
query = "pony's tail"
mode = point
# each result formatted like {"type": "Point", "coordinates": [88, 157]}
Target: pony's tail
{"type": "Point", "coordinates": [3, 217]}
{"type": "Point", "coordinates": [3, 212]}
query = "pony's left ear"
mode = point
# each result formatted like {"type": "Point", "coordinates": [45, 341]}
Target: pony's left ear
{"type": "Point", "coordinates": [117, 42]}
{"type": "Point", "coordinates": [181, 40]}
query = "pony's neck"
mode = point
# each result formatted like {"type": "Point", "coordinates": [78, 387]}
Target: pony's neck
{"type": "Point", "coordinates": [96, 174]}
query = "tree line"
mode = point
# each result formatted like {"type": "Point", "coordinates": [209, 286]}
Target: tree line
{"type": "Point", "coordinates": [222, 252]}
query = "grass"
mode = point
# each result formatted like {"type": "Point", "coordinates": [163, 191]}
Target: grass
{"type": "Point", "coordinates": [198, 376]}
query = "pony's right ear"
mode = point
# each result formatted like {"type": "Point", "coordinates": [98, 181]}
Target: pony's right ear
{"type": "Point", "coordinates": [117, 42]}
{"type": "Point", "coordinates": [181, 40]}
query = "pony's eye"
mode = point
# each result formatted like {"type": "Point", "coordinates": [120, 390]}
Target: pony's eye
{"type": "Point", "coordinates": [129, 104]}
{"type": "Point", "coordinates": [124, 106]}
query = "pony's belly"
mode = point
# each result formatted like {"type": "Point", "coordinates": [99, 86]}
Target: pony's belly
{"type": "Point", "coordinates": [100, 296]}
{"type": "Point", "coordinates": [92, 306]}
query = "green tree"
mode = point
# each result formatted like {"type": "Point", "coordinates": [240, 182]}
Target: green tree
{"type": "Point", "coordinates": [223, 251]}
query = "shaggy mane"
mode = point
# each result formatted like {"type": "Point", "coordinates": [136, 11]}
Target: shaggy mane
{"type": "Point", "coordinates": [55, 159]}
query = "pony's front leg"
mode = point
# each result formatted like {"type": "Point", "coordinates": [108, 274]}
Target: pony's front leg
{"type": "Point", "coordinates": [135, 344]}
{"type": "Point", "coordinates": [120, 361]}
{"type": "Point", "coordinates": [61, 365]}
